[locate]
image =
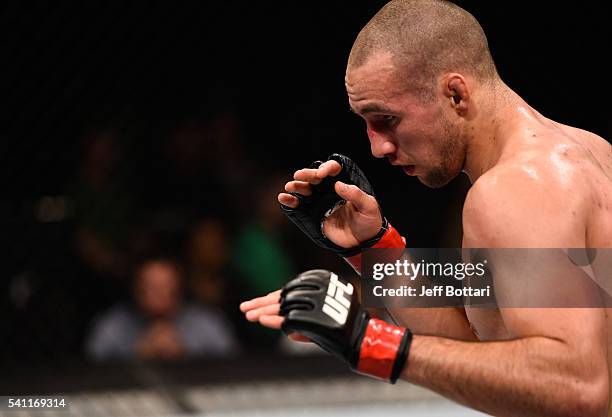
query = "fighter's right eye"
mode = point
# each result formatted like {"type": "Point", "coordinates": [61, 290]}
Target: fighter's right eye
{"type": "Point", "coordinates": [386, 121]}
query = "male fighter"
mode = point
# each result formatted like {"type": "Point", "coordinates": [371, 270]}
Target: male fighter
{"type": "Point", "coordinates": [421, 76]}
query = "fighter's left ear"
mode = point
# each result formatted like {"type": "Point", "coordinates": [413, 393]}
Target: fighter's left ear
{"type": "Point", "coordinates": [456, 90]}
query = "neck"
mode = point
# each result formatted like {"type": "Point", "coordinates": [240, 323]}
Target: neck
{"type": "Point", "coordinates": [492, 128]}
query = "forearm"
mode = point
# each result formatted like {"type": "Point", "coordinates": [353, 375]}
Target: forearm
{"type": "Point", "coordinates": [449, 322]}
{"type": "Point", "coordinates": [526, 377]}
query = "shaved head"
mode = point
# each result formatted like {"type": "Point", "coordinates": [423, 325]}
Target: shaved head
{"type": "Point", "coordinates": [425, 39]}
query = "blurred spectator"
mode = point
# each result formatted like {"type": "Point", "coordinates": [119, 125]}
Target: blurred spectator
{"type": "Point", "coordinates": [260, 253]}
{"type": "Point", "coordinates": [231, 159]}
{"type": "Point", "coordinates": [209, 275]}
{"type": "Point", "coordinates": [214, 280]}
{"type": "Point", "coordinates": [259, 256]}
{"type": "Point", "coordinates": [202, 167]}
{"type": "Point", "coordinates": [104, 219]}
{"type": "Point", "coordinates": [185, 178]}
{"type": "Point", "coordinates": [160, 325]}
{"type": "Point", "coordinates": [104, 206]}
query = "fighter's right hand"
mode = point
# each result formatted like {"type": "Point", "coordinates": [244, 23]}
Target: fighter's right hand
{"type": "Point", "coordinates": [333, 203]}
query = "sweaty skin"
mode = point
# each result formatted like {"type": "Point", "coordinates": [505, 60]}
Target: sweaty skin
{"type": "Point", "coordinates": [536, 183]}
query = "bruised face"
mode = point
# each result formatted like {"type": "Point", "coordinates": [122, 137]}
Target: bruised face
{"type": "Point", "coordinates": [415, 133]}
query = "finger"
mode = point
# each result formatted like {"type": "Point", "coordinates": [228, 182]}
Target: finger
{"type": "Point", "coordinates": [300, 187]}
{"type": "Point", "coordinates": [329, 169]}
{"type": "Point", "coordinates": [361, 200]}
{"type": "Point", "coordinates": [255, 314]}
{"type": "Point", "coordinates": [288, 200]}
{"type": "Point", "coordinates": [296, 337]}
{"type": "Point", "coordinates": [273, 322]}
{"type": "Point", "coordinates": [271, 298]}
{"type": "Point", "coordinates": [308, 175]}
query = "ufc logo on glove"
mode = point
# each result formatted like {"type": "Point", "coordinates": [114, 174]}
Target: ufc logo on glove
{"type": "Point", "coordinates": [336, 305]}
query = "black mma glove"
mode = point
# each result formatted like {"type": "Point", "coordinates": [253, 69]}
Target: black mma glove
{"type": "Point", "coordinates": [312, 210]}
{"type": "Point", "coordinates": [319, 305]}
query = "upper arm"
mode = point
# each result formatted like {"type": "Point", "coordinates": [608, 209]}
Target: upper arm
{"type": "Point", "coordinates": [519, 209]}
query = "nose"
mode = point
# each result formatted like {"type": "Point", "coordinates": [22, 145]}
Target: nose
{"type": "Point", "coordinates": [380, 145]}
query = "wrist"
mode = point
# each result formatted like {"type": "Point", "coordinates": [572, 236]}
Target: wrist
{"type": "Point", "coordinates": [387, 238]}
{"type": "Point", "coordinates": [383, 350]}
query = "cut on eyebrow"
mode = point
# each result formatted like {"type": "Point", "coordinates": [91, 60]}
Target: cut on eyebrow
{"type": "Point", "coordinates": [372, 108]}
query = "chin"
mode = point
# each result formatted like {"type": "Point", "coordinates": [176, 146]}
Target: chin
{"type": "Point", "coordinates": [437, 178]}
{"type": "Point", "coordinates": [431, 184]}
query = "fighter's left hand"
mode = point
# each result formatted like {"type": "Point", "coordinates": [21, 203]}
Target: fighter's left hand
{"type": "Point", "coordinates": [266, 311]}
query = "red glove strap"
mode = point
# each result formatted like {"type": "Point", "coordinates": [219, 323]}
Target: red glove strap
{"type": "Point", "coordinates": [390, 239]}
{"type": "Point", "coordinates": [379, 349]}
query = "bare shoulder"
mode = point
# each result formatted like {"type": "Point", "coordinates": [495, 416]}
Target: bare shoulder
{"type": "Point", "coordinates": [538, 197]}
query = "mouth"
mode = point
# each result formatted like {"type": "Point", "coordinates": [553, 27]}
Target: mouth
{"type": "Point", "coordinates": [409, 169]}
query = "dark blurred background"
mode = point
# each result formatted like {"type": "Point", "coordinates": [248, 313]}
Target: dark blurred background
{"type": "Point", "coordinates": [142, 145]}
